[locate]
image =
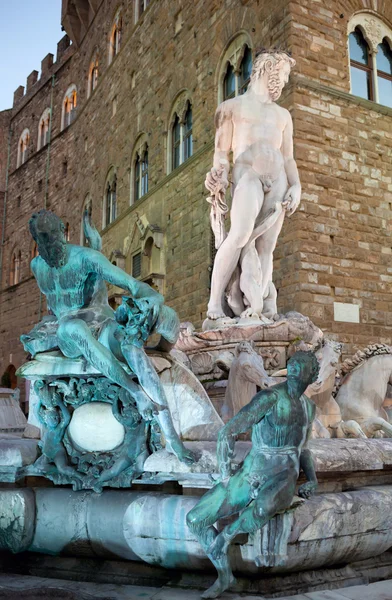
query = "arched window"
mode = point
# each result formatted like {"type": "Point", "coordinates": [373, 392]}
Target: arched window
{"type": "Point", "coordinates": [110, 199]}
{"type": "Point", "coordinates": [115, 37]}
{"type": "Point", "coordinates": [360, 65]}
{"type": "Point", "coordinates": [69, 107]}
{"type": "Point", "coordinates": [370, 54]}
{"type": "Point", "coordinates": [235, 68]}
{"type": "Point", "coordinates": [87, 206]}
{"type": "Point", "coordinates": [141, 174]}
{"type": "Point", "coordinates": [66, 231]}
{"type": "Point", "coordinates": [187, 134]}
{"type": "Point", "coordinates": [180, 132]}
{"type": "Point", "coordinates": [140, 7]}
{"type": "Point", "coordinates": [176, 142]}
{"type": "Point", "coordinates": [43, 129]}
{"type": "Point", "coordinates": [23, 147]}
{"type": "Point", "coordinates": [92, 76]}
{"type": "Point", "coordinates": [384, 73]}
{"type": "Point", "coordinates": [245, 71]}
{"type": "Point", "coordinates": [229, 83]}
{"type": "Point", "coordinates": [15, 267]}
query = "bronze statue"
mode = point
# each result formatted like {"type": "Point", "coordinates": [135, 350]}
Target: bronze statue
{"type": "Point", "coordinates": [281, 421]}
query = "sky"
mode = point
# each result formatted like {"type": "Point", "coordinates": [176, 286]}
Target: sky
{"type": "Point", "coordinates": [29, 29]}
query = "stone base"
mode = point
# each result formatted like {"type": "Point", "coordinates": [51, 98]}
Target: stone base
{"type": "Point", "coordinates": [63, 573]}
{"type": "Point", "coordinates": [207, 350]}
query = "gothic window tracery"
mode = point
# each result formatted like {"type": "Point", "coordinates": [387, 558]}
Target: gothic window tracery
{"type": "Point", "coordinates": [43, 129]}
{"type": "Point", "coordinates": [115, 37]}
{"type": "Point", "coordinates": [23, 147]}
{"type": "Point", "coordinates": [93, 76]}
{"type": "Point", "coordinates": [180, 134]}
{"type": "Point", "coordinates": [69, 107]}
{"type": "Point", "coordinates": [370, 56]}
{"type": "Point", "coordinates": [110, 199]}
{"type": "Point", "coordinates": [235, 68]}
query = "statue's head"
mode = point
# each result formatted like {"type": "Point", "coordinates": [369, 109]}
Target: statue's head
{"type": "Point", "coordinates": [302, 370]}
{"type": "Point", "coordinates": [275, 67]}
{"type": "Point", "coordinates": [48, 232]}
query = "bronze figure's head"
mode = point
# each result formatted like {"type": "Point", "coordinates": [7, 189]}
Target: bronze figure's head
{"type": "Point", "coordinates": [48, 231]}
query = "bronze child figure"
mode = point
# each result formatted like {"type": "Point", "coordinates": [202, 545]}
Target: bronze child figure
{"type": "Point", "coordinates": [281, 421]}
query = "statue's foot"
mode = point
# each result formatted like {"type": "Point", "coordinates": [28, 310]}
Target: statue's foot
{"type": "Point", "coordinates": [251, 313]}
{"type": "Point", "coordinates": [215, 312]}
{"type": "Point", "coordinates": [223, 583]}
{"type": "Point", "coordinates": [219, 547]}
{"type": "Point", "coordinates": [183, 454]}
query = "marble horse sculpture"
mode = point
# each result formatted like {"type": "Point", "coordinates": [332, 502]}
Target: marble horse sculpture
{"type": "Point", "coordinates": [281, 421]}
{"type": "Point", "coordinates": [84, 326]}
{"type": "Point", "coordinates": [362, 390]}
{"type": "Point", "coordinates": [265, 187]}
{"type": "Point", "coordinates": [246, 374]}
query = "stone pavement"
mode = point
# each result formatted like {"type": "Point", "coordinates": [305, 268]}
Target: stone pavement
{"type": "Point", "coordinates": [20, 587]}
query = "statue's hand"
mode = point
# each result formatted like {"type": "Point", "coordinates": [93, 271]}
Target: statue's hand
{"type": "Point", "coordinates": [307, 489]}
{"type": "Point", "coordinates": [216, 181]}
{"type": "Point", "coordinates": [292, 199]}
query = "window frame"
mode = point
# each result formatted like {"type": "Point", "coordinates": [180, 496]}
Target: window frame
{"type": "Point", "coordinates": [23, 147]}
{"type": "Point", "coordinates": [375, 32]}
{"type": "Point", "coordinates": [368, 68]}
{"type": "Point", "coordinates": [115, 36]}
{"type": "Point", "coordinates": [44, 127]}
{"type": "Point", "coordinates": [70, 99]}
{"type": "Point", "coordinates": [109, 213]}
{"type": "Point", "coordinates": [180, 137]}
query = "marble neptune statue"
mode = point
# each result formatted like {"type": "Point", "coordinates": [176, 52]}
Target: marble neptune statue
{"type": "Point", "coordinates": [281, 419]}
{"type": "Point", "coordinates": [83, 324]}
{"type": "Point", "coordinates": [265, 186]}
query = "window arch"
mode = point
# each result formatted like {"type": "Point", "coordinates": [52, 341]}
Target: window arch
{"type": "Point", "coordinates": [68, 114]}
{"type": "Point", "coordinates": [110, 198]}
{"type": "Point", "coordinates": [235, 67]}
{"type": "Point", "coordinates": [140, 7]}
{"type": "Point", "coordinates": [43, 129]}
{"type": "Point", "coordinates": [370, 58]}
{"type": "Point", "coordinates": [93, 72]}
{"type": "Point", "coordinates": [180, 142]}
{"type": "Point", "coordinates": [16, 261]}
{"type": "Point", "coordinates": [384, 73]}
{"type": "Point", "coordinates": [139, 172]}
{"type": "Point", "coordinates": [115, 36]}
{"type": "Point", "coordinates": [23, 147]}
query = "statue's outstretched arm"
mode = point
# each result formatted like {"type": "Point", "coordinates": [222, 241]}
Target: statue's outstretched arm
{"type": "Point", "coordinates": [98, 263]}
{"type": "Point", "coordinates": [248, 416]}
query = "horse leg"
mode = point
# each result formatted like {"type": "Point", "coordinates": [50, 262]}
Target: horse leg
{"type": "Point", "coordinates": [370, 426]}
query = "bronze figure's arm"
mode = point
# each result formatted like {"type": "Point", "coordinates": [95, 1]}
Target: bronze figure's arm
{"type": "Point", "coordinates": [248, 416]}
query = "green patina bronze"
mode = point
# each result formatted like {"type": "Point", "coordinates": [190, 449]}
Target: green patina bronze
{"type": "Point", "coordinates": [280, 419]}
{"type": "Point", "coordinates": [83, 325]}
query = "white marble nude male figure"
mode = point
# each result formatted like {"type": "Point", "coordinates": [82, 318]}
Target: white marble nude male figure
{"type": "Point", "coordinates": [265, 182]}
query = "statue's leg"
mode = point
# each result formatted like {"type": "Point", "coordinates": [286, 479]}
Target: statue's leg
{"type": "Point", "coordinates": [217, 503]}
{"type": "Point", "coordinates": [148, 378]}
{"type": "Point", "coordinates": [265, 244]}
{"type": "Point", "coordinates": [76, 339]}
{"type": "Point", "coordinates": [251, 282]}
{"type": "Point", "coordinates": [274, 496]}
{"type": "Point", "coordinates": [247, 201]}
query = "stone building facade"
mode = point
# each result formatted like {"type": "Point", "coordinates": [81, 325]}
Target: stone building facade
{"type": "Point", "coordinates": [123, 121]}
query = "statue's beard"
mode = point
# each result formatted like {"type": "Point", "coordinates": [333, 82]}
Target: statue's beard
{"type": "Point", "coordinates": [55, 254]}
{"type": "Point", "coordinates": [274, 85]}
